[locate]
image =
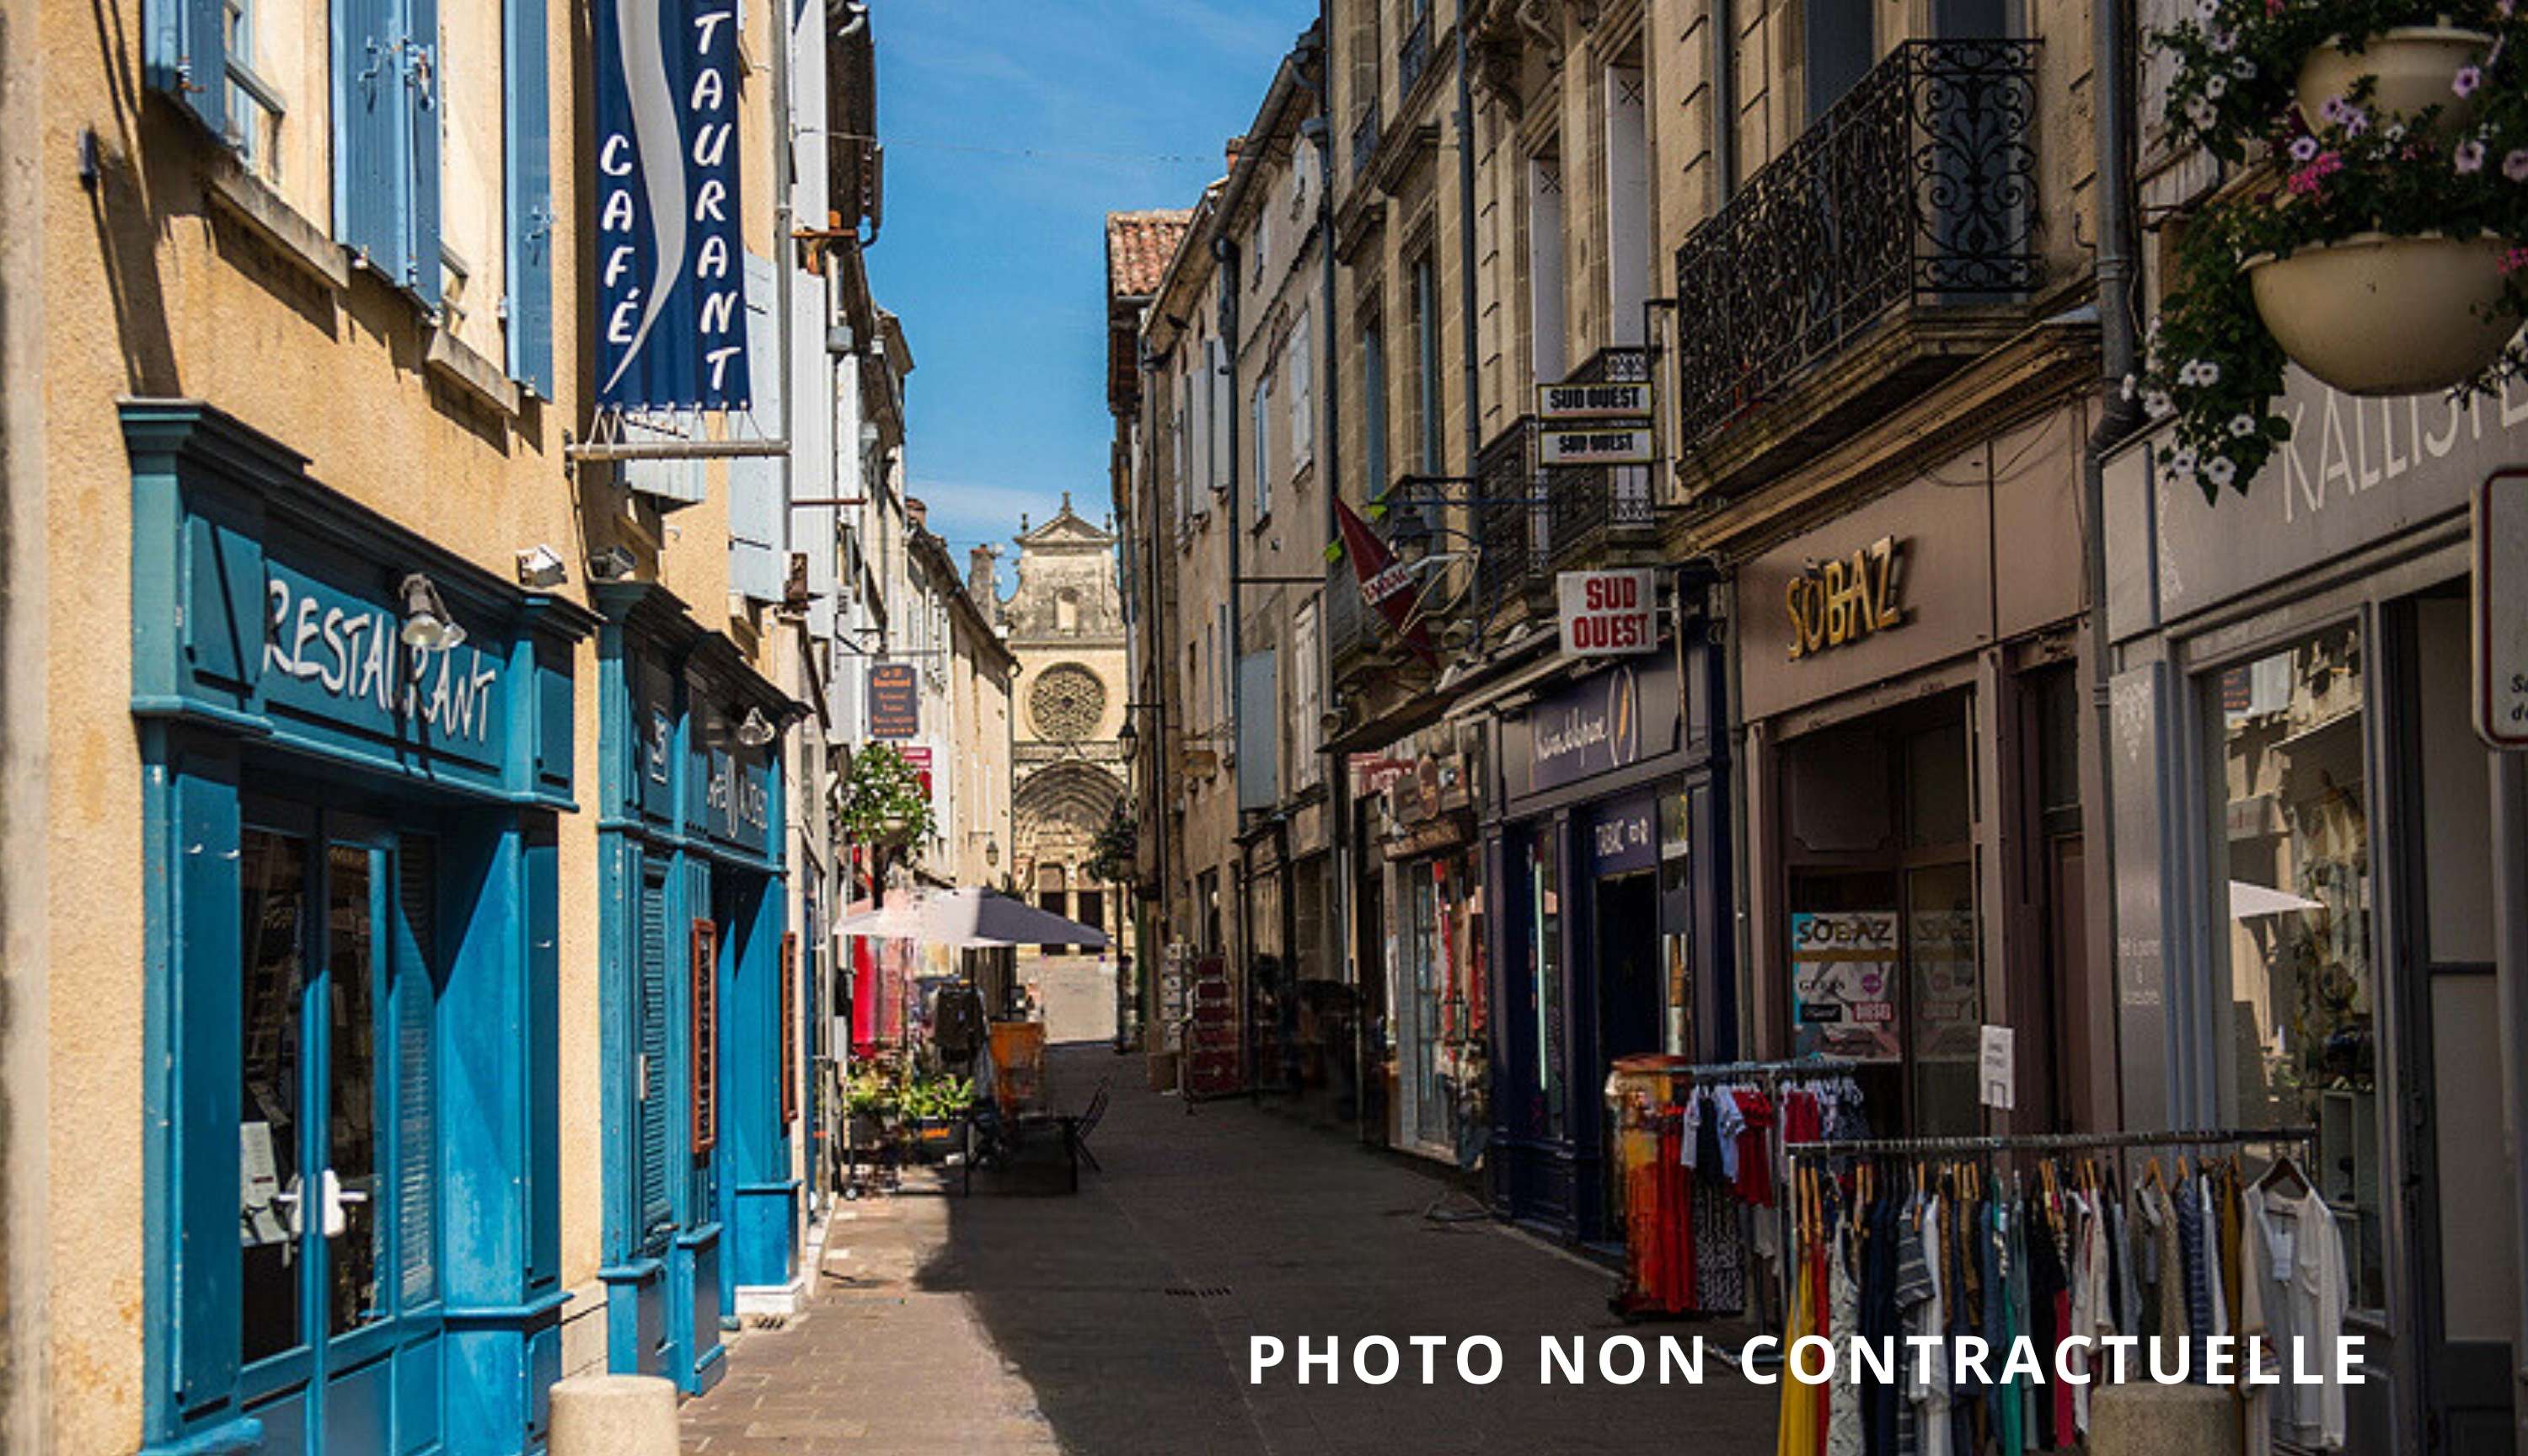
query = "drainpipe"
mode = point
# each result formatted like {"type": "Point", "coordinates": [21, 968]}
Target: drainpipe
{"type": "Point", "coordinates": [1466, 305]}
{"type": "Point", "coordinates": [1725, 100]}
{"type": "Point", "coordinates": [2117, 251]}
{"type": "Point", "coordinates": [1338, 776]}
{"type": "Point", "coordinates": [1225, 257]}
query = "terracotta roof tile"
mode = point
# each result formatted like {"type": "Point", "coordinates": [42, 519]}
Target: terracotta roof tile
{"type": "Point", "coordinates": [1139, 245]}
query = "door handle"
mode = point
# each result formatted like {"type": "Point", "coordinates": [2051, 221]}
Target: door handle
{"type": "Point", "coordinates": [338, 1201]}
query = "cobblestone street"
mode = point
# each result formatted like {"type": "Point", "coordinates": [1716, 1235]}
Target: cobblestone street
{"type": "Point", "coordinates": [1118, 1321]}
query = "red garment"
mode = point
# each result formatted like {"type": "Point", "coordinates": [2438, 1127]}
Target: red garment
{"type": "Point", "coordinates": [1755, 1161]}
{"type": "Point", "coordinates": [1803, 1117]}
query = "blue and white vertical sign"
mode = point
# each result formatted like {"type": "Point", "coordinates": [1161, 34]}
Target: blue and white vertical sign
{"type": "Point", "coordinates": [670, 281]}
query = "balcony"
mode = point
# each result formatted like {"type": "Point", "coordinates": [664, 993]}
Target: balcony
{"type": "Point", "coordinates": [1905, 219]}
{"type": "Point", "coordinates": [1591, 508]}
{"type": "Point", "coordinates": [1511, 517]}
{"type": "Point", "coordinates": [1413, 57]}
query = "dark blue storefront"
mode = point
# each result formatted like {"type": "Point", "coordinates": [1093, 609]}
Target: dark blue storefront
{"type": "Point", "coordinates": [354, 1211]}
{"type": "Point", "coordinates": [1607, 847]}
{"type": "Point", "coordinates": [701, 1203]}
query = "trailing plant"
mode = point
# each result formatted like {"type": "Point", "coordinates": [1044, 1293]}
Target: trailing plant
{"type": "Point", "coordinates": [2457, 168]}
{"type": "Point", "coordinates": [1117, 846]}
{"type": "Point", "coordinates": [882, 799]}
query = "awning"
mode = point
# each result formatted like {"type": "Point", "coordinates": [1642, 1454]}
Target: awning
{"type": "Point", "coordinates": [2248, 901]}
{"type": "Point", "coordinates": [962, 919]}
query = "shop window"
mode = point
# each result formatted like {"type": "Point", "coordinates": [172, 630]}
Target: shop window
{"type": "Point", "coordinates": [2295, 1000]}
{"type": "Point", "coordinates": [1093, 909]}
{"type": "Point", "coordinates": [1206, 895]}
{"type": "Point", "coordinates": [655, 1215]}
{"type": "Point", "coordinates": [1544, 982]}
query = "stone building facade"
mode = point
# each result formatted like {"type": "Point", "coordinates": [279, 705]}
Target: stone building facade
{"type": "Point", "coordinates": [1064, 622]}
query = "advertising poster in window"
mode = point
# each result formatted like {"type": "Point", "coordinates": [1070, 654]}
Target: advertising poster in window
{"type": "Point", "coordinates": [1843, 985]}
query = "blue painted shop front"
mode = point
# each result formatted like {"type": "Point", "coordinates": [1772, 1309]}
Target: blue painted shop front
{"type": "Point", "coordinates": [353, 1214]}
{"type": "Point", "coordinates": [701, 1201]}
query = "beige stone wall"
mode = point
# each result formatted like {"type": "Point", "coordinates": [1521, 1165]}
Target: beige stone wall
{"type": "Point", "coordinates": [151, 292]}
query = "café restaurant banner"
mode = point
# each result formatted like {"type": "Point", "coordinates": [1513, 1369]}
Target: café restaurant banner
{"type": "Point", "coordinates": [671, 282]}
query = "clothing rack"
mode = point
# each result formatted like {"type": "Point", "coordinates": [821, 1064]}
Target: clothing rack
{"type": "Point", "coordinates": [2047, 1142]}
{"type": "Point", "coordinates": [1732, 1071]}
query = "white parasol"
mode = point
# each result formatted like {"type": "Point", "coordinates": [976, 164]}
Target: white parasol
{"type": "Point", "coordinates": [971, 918]}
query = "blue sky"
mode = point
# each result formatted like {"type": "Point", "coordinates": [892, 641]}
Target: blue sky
{"type": "Point", "coordinates": [1012, 129]}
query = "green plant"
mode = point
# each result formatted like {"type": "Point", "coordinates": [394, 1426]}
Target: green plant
{"type": "Point", "coordinates": [934, 1097]}
{"type": "Point", "coordinates": [871, 1093]}
{"type": "Point", "coordinates": [882, 799]}
{"type": "Point", "coordinates": [2209, 360]}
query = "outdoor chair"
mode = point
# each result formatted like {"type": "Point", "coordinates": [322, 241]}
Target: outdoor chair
{"type": "Point", "coordinates": [1086, 1124]}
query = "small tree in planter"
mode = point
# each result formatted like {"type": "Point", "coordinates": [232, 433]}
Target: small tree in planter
{"type": "Point", "coordinates": [2373, 241]}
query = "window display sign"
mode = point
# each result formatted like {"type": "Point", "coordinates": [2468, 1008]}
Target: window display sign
{"type": "Point", "coordinates": [1605, 444]}
{"type": "Point", "coordinates": [1843, 985]}
{"type": "Point", "coordinates": [1602, 401]}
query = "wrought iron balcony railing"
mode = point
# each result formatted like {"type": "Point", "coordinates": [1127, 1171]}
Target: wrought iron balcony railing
{"type": "Point", "coordinates": [1511, 514]}
{"type": "Point", "coordinates": [1413, 57]}
{"type": "Point", "coordinates": [1364, 138]}
{"type": "Point", "coordinates": [1587, 504]}
{"type": "Point", "coordinates": [1918, 188]}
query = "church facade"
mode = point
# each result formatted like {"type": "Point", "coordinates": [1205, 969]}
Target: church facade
{"type": "Point", "coordinates": [1065, 623]}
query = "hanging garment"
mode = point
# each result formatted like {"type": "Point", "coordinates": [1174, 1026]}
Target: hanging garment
{"type": "Point", "coordinates": [1965, 1285]}
{"type": "Point", "coordinates": [1755, 1176]}
{"type": "Point", "coordinates": [2304, 1284]}
{"type": "Point", "coordinates": [2215, 1290]}
{"type": "Point", "coordinates": [2081, 1305]}
{"type": "Point", "coordinates": [2049, 1321]}
{"type": "Point", "coordinates": [1930, 1375]}
{"type": "Point", "coordinates": [1880, 1321]}
{"type": "Point", "coordinates": [2169, 1255]}
{"type": "Point", "coordinates": [1719, 1246]}
{"type": "Point", "coordinates": [2194, 1282]}
{"type": "Point", "coordinates": [1843, 1426]}
{"type": "Point", "coordinates": [2225, 1195]}
{"type": "Point", "coordinates": [2000, 1275]}
{"type": "Point", "coordinates": [1796, 1430]}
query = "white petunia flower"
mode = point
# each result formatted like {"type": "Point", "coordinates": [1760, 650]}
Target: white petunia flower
{"type": "Point", "coordinates": [2243, 426]}
{"type": "Point", "coordinates": [2157, 402]}
{"type": "Point", "coordinates": [2223, 470]}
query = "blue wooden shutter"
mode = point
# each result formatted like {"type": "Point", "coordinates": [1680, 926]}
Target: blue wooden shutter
{"type": "Point", "coordinates": [421, 148]}
{"type": "Point", "coordinates": [370, 210]}
{"type": "Point", "coordinates": [755, 496]}
{"type": "Point", "coordinates": [417, 993]}
{"type": "Point", "coordinates": [656, 1214]}
{"type": "Point", "coordinates": [187, 56]}
{"type": "Point", "coordinates": [528, 171]}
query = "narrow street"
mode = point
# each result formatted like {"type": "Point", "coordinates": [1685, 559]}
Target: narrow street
{"type": "Point", "coordinates": [1118, 1321]}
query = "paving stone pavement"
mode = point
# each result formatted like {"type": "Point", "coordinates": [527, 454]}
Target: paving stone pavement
{"type": "Point", "coordinates": [1117, 1321]}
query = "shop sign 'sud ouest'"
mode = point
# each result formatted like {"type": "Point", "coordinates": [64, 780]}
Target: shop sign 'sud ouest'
{"type": "Point", "coordinates": [2500, 579]}
{"type": "Point", "coordinates": [1608, 613]}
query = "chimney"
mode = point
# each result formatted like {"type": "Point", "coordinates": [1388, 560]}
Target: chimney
{"type": "Point", "coordinates": [1236, 145]}
{"type": "Point", "coordinates": [980, 584]}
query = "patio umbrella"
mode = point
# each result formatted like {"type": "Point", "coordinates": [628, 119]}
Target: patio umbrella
{"type": "Point", "coordinates": [972, 917]}
{"type": "Point", "coordinates": [2248, 901]}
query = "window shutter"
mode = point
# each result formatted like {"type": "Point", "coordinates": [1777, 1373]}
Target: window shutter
{"type": "Point", "coordinates": [188, 57]}
{"type": "Point", "coordinates": [421, 149]}
{"type": "Point", "coordinates": [1222, 402]}
{"type": "Point", "coordinates": [1259, 731]}
{"type": "Point", "coordinates": [1301, 374]}
{"type": "Point", "coordinates": [789, 1027]}
{"type": "Point", "coordinates": [656, 1214]}
{"type": "Point", "coordinates": [1259, 417]}
{"type": "Point", "coordinates": [370, 209]}
{"type": "Point", "coordinates": [528, 171]}
{"type": "Point", "coordinates": [416, 1083]}
{"type": "Point", "coordinates": [755, 499]}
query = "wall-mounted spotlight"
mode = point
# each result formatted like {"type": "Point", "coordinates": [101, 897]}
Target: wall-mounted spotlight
{"type": "Point", "coordinates": [540, 566]}
{"type": "Point", "coordinates": [612, 564]}
{"type": "Point", "coordinates": [756, 730]}
{"type": "Point", "coordinates": [427, 626]}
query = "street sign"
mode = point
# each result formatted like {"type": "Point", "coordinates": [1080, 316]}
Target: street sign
{"type": "Point", "coordinates": [1593, 401]}
{"type": "Point", "coordinates": [2501, 593]}
{"type": "Point", "coordinates": [1608, 445]}
{"type": "Point", "coordinates": [894, 701]}
{"type": "Point", "coordinates": [1608, 613]}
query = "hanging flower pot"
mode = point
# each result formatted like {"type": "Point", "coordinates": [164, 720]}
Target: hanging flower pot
{"type": "Point", "coordinates": [2373, 314]}
{"type": "Point", "coordinates": [2414, 67]}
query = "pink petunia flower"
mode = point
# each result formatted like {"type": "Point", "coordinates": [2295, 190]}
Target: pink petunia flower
{"type": "Point", "coordinates": [2470, 157]}
{"type": "Point", "coordinates": [2514, 163]}
{"type": "Point", "coordinates": [2468, 78]}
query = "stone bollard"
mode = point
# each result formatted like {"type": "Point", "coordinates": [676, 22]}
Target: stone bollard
{"type": "Point", "coordinates": [613, 1416]}
{"type": "Point", "coordinates": [2146, 1419]}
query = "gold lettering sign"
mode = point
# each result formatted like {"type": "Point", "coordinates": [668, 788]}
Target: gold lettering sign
{"type": "Point", "coordinates": [1838, 602]}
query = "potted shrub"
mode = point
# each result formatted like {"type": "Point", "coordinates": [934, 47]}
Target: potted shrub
{"type": "Point", "coordinates": [2372, 234]}
{"type": "Point", "coordinates": [869, 1103]}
